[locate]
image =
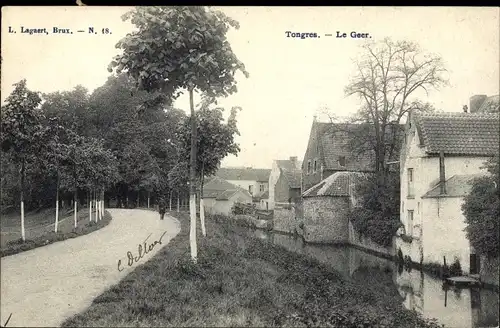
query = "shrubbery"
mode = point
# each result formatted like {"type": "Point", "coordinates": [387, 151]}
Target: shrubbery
{"type": "Point", "coordinates": [481, 208]}
{"type": "Point", "coordinates": [377, 213]}
{"type": "Point", "coordinates": [242, 208]}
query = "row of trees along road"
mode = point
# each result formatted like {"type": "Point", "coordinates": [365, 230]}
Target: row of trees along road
{"type": "Point", "coordinates": [125, 139]}
{"type": "Point", "coordinates": [176, 49]}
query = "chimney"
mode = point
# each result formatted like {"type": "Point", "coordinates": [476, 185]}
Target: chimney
{"type": "Point", "coordinates": [465, 108]}
{"type": "Point", "coordinates": [293, 159]}
{"type": "Point", "coordinates": [476, 102]}
{"type": "Point", "coordinates": [442, 176]}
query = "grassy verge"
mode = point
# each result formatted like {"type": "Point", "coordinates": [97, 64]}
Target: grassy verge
{"type": "Point", "coordinates": [242, 281]}
{"type": "Point", "coordinates": [66, 231]}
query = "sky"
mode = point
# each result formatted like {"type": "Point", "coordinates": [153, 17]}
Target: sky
{"type": "Point", "coordinates": [291, 79]}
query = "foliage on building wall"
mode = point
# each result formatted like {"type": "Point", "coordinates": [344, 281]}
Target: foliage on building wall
{"type": "Point", "coordinates": [481, 209]}
{"type": "Point", "coordinates": [376, 215]}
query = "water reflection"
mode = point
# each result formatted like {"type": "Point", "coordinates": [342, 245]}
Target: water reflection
{"type": "Point", "coordinates": [453, 307]}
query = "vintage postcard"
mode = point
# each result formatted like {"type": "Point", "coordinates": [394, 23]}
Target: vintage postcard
{"type": "Point", "coordinates": [250, 166]}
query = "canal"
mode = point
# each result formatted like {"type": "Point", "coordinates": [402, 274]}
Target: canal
{"type": "Point", "coordinates": [451, 306]}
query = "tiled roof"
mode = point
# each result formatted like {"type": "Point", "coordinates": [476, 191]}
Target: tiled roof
{"type": "Point", "coordinates": [337, 184]}
{"type": "Point", "coordinates": [459, 133]}
{"type": "Point", "coordinates": [216, 186]}
{"type": "Point", "coordinates": [265, 195]}
{"type": "Point", "coordinates": [229, 173]}
{"type": "Point", "coordinates": [336, 140]}
{"type": "Point", "coordinates": [288, 164]}
{"type": "Point", "coordinates": [226, 194]}
{"type": "Point", "coordinates": [490, 105]}
{"type": "Point", "coordinates": [456, 186]}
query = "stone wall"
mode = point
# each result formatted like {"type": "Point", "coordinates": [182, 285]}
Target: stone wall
{"type": "Point", "coordinates": [489, 271]}
{"type": "Point", "coordinates": [356, 239]}
{"type": "Point", "coordinates": [285, 218]}
{"type": "Point", "coordinates": [325, 219]}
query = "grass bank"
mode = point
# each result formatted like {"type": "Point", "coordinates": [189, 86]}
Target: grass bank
{"type": "Point", "coordinates": [46, 235]}
{"type": "Point", "coordinates": [242, 281]}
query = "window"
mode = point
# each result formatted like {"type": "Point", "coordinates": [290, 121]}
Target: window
{"type": "Point", "coordinates": [250, 189]}
{"type": "Point", "coordinates": [308, 167]}
{"type": "Point", "coordinates": [342, 160]}
{"type": "Point", "coordinates": [410, 223]}
{"type": "Point", "coordinates": [315, 166]}
{"type": "Point", "coordinates": [261, 188]}
{"type": "Point", "coordinates": [410, 183]}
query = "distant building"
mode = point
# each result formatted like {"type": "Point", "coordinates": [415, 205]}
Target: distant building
{"type": "Point", "coordinates": [484, 104]}
{"type": "Point", "coordinates": [255, 181]}
{"type": "Point", "coordinates": [284, 182]}
{"type": "Point", "coordinates": [219, 196]}
{"type": "Point", "coordinates": [441, 154]}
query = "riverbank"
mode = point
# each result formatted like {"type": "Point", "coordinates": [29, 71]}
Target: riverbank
{"type": "Point", "coordinates": [243, 281]}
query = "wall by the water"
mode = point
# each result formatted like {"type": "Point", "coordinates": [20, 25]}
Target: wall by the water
{"type": "Point", "coordinates": [288, 219]}
{"type": "Point", "coordinates": [356, 239]}
{"type": "Point", "coordinates": [489, 271]}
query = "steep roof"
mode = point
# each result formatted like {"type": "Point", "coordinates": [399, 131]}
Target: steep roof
{"type": "Point", "coordinates": [490, 105]}
{"type": "Point", "coordinates": [233, 173]}
{"type": "Point", "coordinates": [336, 140]}
{"type": "Point", "coordinates": [225, 195]}
{"type": "Point", "coordinates": [456, 186]}
{"type": "Point", "coordinates": [216, 187]}
{"type": "Point", "coordinates": [459, 133]}
{"type": "Point", "coordinates": [288, 164]}
{"type": "Point", "coordinates": [337, 184]}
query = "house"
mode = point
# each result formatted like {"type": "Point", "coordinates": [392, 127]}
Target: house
{"type": "Point", "coordinates": [484, 104]}
{"type": "Point", "coordinates": [440, 155]}
{"type": "Point", "coordinates": [219, 196]}
{"type": "Point", "coordinates": [284, 182]}
{"type": "Point", "coordinates": [326, 207]}
{"type": "Point", "coordinates": [255, 181]}
{"type": "Point", "coordinates": [329, 151]}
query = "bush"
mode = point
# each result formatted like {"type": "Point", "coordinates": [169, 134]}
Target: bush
{"type": "Point", "coordinates": [377, 213]}
{"type": "Point", "coordinates": [241, 208]}
{"type": "Point", "coordinates": [481, 209]}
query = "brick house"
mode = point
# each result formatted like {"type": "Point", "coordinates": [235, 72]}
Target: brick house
{"type": "Point", "coordinates": [441, 154]}
{"type": "Point", "coordinates": [328, 152]}
{"type": "Point", "coordinates": [284, 182]}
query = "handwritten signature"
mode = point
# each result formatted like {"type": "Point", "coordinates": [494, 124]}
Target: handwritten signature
{"type": "Point", "coordinates": [6, 322]}
{"type": "Point", "coordinates": [143, 249]}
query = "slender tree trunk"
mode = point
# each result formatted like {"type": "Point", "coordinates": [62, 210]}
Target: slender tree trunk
{"type": "Point", "coordinates": [192, 181]}
{"type": "Point", "coordinates": [75, 201]}
{"type": "Point", "coordinates": [202, 207]}
{"type": "Point", "coordinates": [102, 202]}
{"type": "Point", "coordinates": [23, 173]}
{"type": "Point", "coordinates": [170, 201]}
{"type": "Point", "coordinates": [178, 202]}
{"type": "Point", "coordinates": [57, 203]}
{"type": "Point", "coordinates": [90, 205]}
{"type": "Point", "coordinates": [148, 198]}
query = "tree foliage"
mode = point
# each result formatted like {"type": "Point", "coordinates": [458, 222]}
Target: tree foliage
{"type": "Point", "coordinates": [215, 139]}
{"type": "Point", "coordinates": [481, 208]}
{"type": "Point", "coordinates": [179, 48]}
{"type": "Point", "coordinates": [388, 77]}
{"type": "Point", "coordinates": [377, 213]}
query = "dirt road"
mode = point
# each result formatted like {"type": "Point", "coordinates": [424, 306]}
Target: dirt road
{"type": "Point", "coordinates": [44, 286]}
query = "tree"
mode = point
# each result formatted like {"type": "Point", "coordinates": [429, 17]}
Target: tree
{"type": "Point", "coordinates": [21, 131]}
{"type": "Point", "coordinates": [181, 48]}
{"type": "Point", "coordinates": [389, 75]}
{"type": "Point", "coordinates": [214, 142]}
{"type": "Point", "coordinates": [481, 208]}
